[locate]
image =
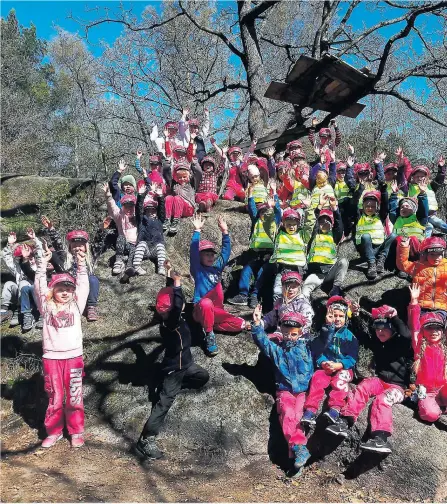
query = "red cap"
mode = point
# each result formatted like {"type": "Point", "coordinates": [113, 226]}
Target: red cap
{"type": "Point", "coordinates": [341, 165]}
{"type": "Point", "coordinates": [358, 167]}
{"type": "Point", "coordinates": [128, 198]}
{"type": "Point", "coordinates": [150, 201]}
{"type": "Point", "coordinates": [165, 298]}
{"type": "Point", "coordinates": [421, 168]}
{"type": "Point", "coordinates": [234, 148]}
{"type": "Point", "coordinates": [194, 122]}
{"type": "Point", "coordinates": [206, 245]}
{"type": "Point", "coordinates": [291, 276]}
{"type": "Point", "coordinates": [383, 312]}
{"type": "Point", "coordinates": [390, 166]}
{"type": "Point", "coordinates": [208, 159]}
{"type": "Point", "coordinates": [337, 300]}
{"type": "Point", "coordinates": [294, 145]}
{"type": "Point", "coordinates": [283, 165]}
{"type": "Point", "coordinates": [182, 165]}
{"type": "Point", "coordinates": [156, 159]}
{"type": "Point", "coordinates": [171, 125]}
{"type": "Point", "coordinates": [432, 319]}
{"type": "Point", "coordinates": [325, 132]}
{"type": "Point", "coordinates": [292, 319]}
{"type": "Point", "coordinates": [433, 243]}
{"type": "Point", "coordinates": [77, 235]}
{"type": "Point", "coordinates": [375, 195]}
{"type": "Point", "coordinates": [61, 278]}
{"type": "Point", "coordinates": [297, 154]}
{"type": "Point", "coordinates": [327, 213]}
{"type": "Point", "coordinates": [289, 213]}
{"type": "Point", "coordinates": [179, 149]}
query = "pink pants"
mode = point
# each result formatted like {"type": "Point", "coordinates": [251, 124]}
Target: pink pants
{"type": "Point", "coordinates": [206, 196]}
{"type": "Point", "coordinates": [385, 395]}
{"type": "Point", "coordinates": [177, 207]}
{"type": "Point", "coordinates": [290, 410]}
{"type": "Point", "coordinates": [430, 407]}
{"type": "Point", "coordinates": [210, 314]}
{"type": "Point", "coordinates": [63, 377]}
{"type": "Point", "coordinates": [339, 383]}
{"type": "Point", "coordinates": [235, 192]}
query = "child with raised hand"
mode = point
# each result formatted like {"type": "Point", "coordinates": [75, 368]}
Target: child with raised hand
{"type": "Point", "coordinates": [429, 340]}
{"type": "Point", "coordinates": [335, 351]}
{"type": "Point", "coordinates": [122, 185]}
{"type": "Point", "coordinates": [293, 365]}
{"type": "Point", "coordinates": [206, 195]}
{"type": "Point", "coordinates": [179, 369]}
{"type": "Point", "coordinates": [125, 221]}
{"type": "Point", "coordinates": [392, 354]}
{"type": "Point", "coordinates": [61, 303]}
{"type": "Point", "coordinates": [344, 188]}
{"type": "Point", "coordinates": [155, 175]}
{"type": "Point", "coordinates": [206, 267]}
{"type": "Point", "coordinates": [75, 240]}
{"type": "Point", "coordinates": [258, 179]}
{"type": "Point", "coordinates": [326, 141]}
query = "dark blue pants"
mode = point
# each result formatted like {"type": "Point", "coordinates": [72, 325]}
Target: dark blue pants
{"type": "Point", "coordinates": [253, 269]}
{"type": "Point", "coordinates": [93, 294]}
{"type": "Point", "coordinates": [369, 251]}
{"type": "Point", "coordinates": [27, 299]}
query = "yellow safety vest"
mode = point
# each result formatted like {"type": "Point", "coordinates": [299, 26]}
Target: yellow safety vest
{"type": "Point", "coordinates": [323, 249]}
{"type": "Point", "coordinates": [370, 225]}
{"type": "Point", "coordinates": [300, 193]}
{"type": "Point", "coordinates": [342, 190]}
{"type": "Point", "coordinates": [289, 249]}
{"type": "Point", "coordinates": [413, 190]}
{"type": "Point", "coordinates": [260, 239]}
{"type": "Point", "coordinates": [409, 226]}
{"type": "Point", "coordinates": [317, 192]}
{"type": "Point", "coordinates": [260, 194]}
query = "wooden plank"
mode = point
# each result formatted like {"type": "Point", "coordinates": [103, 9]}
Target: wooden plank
{"type": "Point", "coordinates": [301, 66]}
{"type": "Point", "coordinates": [284, 92]}
{"type": "Point", "coordinates": [339, 69]}
{"type": "Point", "coordinates": [353, 110]}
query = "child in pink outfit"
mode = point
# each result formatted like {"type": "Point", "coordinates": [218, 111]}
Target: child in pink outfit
{"type": "Point", "coordinates": [61, 304]}
{"type": "Point", "coordinates": [429, 342]}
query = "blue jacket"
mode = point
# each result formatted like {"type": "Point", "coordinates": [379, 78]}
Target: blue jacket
{"type": "Point", "coordinates": [336, 346]}
{"type": "Point", "coordinates": [206, 278]}
{"type": "Point", "coordinates": [293, 363]}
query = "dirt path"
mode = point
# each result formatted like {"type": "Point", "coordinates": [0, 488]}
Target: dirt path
{"type": "Point", "coordinates": [104, 471]}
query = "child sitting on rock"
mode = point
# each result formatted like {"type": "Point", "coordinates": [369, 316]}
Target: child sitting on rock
{"type": "Point", "coordinates": [326, 141]}
{"type": "Point", "coordinates": [155, 175]}
{"type": "Point", "coordinates": [119, 187]}
{"type": "Point", "coordinates": [206, 268]}
{"type": "Point", "coordinates": [429, 339]}
{"type": "Point", "coordinates": [391, 347]}
{"type": "Point", "coordinates": [206, 195]}
{"type": "Point", "coordinates": [61, 303]}
{"type": "Point", "coordinates": [293, 365]}
{"type": "Point", "coordinates": [336, 352]}
{"type": "Point", "coordinates": [179, 369]}
{"type": "Point", "coordinates": [258, 178]}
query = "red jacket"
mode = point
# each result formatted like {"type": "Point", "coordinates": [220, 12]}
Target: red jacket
{"type": "Point", "coordinates": [431, 372]}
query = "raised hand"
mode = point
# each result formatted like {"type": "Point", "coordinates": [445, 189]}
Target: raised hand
{"type": "Point", "coordinates": [223, 226]}
{"type": "Point", "coordinates": [333, 202]}
{"type": "Point", "coordinates": [198, 222]}
{"type": "Point", "coordinates": [332, 154]}
{"type": "Point", "coordinates": [106, 222]}
{"type": "Point", "coordinates": [405, 241]}
{"type": "Point", "coordinates": [423, 185]}
{"type": "Point", "coordinates": [257, 314]}
{"type": "Point", "coordinates": [272, 185]}
{"type": "Point", "coordinates": [139, 153]}
{"type": "Point", "coordinates": [12, 238]}
{"type": "Point", "coordinates": [121, 165]}
{"type": "Point", "coordinates": [105, 187]}
{"type": "Point", "coordinates": [271, 202]}
{"type": "Point", "coordinates": [330, 316]}
{"type": "Point", "coordinates": [26, 251]}
{"type": "Point", "coordinates": [142, 189]}
{"type": "Point", "coordinates": [380, 158]}
{"type": "Point", "coordinates": [46, 222]}
{"type": "Point", "coordinates": [441, 161]}
{"type": "Point", "coordinates": [314, 122]}
{"type": "Point", "coordinates": [271, 151]}
{"type": "Point", "coordinates": [177, 277]}
{"type": "Point", "coordinates": [350, 149]}
{"type": "Point", "coordinates": [31, 234]}
{"type": "Point", "coordinates": [415, 291]}
{"type": "Point", "coordinates": [350, 161]}
{"type": "Point", "coordinates": [399, 153]}
{"type": "Point", "coordinates": [185, 112]}
{"type": "Point", "coordinates": [394, 186]}
{"type": "Point", "coordinates": [355, 308]}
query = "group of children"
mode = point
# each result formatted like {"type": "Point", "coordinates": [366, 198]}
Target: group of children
{"type": "Point", "coordinates": [299, 215]}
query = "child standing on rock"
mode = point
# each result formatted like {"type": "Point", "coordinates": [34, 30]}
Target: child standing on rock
{"type": "Point", "coordinates": [180, 371]}
{"type": "Point", "coordinates": [61, 303]}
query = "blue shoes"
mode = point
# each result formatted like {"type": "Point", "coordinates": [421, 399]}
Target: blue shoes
{"type": "Point", "coordinates": [309, 417]}
{"type": "Point", "coordinates": [302, 455]}
{"type": "Point", "coordinates": [332, 415]}
{"type": "Point", "coordinates": [211, 345]}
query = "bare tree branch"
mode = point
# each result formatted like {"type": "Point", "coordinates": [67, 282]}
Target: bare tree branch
{"type": "Point", "coordinates": [256, 11]}
{"type": "Point", "coordinates": [345, 19]}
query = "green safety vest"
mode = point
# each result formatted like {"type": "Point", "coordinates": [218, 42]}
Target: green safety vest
{"type": "Point", "coordinates": [400, 194]}
{"type": "Point", "coordinates": [409, 226]}
{"type": "Point", "coordinates": [300, 193]}
{"type": "Point", "coordinates": [342, 190]}
{"type": "Point", "coordinates": [260, 239]}
{"type": "Point", "coordinates": [370, 225]}
{"type": "Point", "coordinates": [260, 194]}
{"type": "Point", "coordinates": [413, 190]}
{"type": "Point", "coordinates": [323, 249]}
{"type": "Point", "coordinates": [289, 249]}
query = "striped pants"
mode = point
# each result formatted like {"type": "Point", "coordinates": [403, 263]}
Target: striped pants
{"type": "Point", "coordinates": [144, 251]}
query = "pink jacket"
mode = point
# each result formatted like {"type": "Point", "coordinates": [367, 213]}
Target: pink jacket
{"type": "Point", "coordinates": [62, 332]}
{"type": "Point", "coordinates": [432, 365]}
{"type": "Point", "coordinates": [127, 227]}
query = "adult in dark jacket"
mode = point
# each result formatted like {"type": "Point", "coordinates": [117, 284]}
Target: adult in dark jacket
{"type": "Point", "coordinates": [180, 371]}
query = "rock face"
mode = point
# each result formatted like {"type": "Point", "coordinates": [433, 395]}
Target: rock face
{"type": "Point", "coordinates": [233, 421]}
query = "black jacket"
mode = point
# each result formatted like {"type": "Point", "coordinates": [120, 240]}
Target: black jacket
{"type": "Point", "coordinates": [150, 229]}
{"type": "Point", "coordinates": [176, 337]}
{"type": "Point", "coordinates": [393, 358]}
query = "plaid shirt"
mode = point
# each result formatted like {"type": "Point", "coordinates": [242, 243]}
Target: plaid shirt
{"type": "Point", "coordinates": [208, 183]}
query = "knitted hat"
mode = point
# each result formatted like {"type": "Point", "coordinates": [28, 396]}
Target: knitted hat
{"type": "Point", "coordinates": [182, 165]}
{"type": "Point", "coordinates": [292, 319]}
{"type": "Point", "coordinates": [208, 159]}
{"type": "Point", "coordinates": [341, 166]}
{"type": "Point", "coordinates": [283, 166]}
{"type": "Point", "coordinates": [78, 236]}
{"type": "Point", "coordinates": [327, 214]}
{"type": "Point", "coordinates": [338, 303]}
{"type": "Point", "coordinates": [291, 276]}
{"type": "Point", "coordinates": [156, 159]}
{"type": "Point", "coordinates": [433, 244]}
{"type": "Point", "coordinates": [128, 199]}
{"type": "Point", "coordinates": [150, 201]}
{"type": "Point", "coordinates": [61, 278]}
{"type": "Point", "coordinates": [412, 203]}
{"type": "Point", "coordinates": [165, 298]}
{"type": "Point", "coordinates": [206, 245]}
{"type": "Point", "coordinates": [253, 170]}
{"type": "Point", "coordinates": [130, 179]}
{"type": "Point", "coordinates": [432, 319]}
{"type": "Point", "coordinates": [324, 133]}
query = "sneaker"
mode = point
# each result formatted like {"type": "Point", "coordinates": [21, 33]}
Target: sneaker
{"type": "Point", "coordinates": [28, 322]}
{"type": "Point", "coordinates": [147, 447]}
{"type": "Point", "coordinates": [339, 428]}
{"type": "Point", "coordinates": [139, 271]}
{"type": "Point", "coordinates": [92, 314]}
{"type": "Point", "coordinates": [253, 301]}
{"type": "Point", "coordinates": [239, 300]}
{"type": "Point", "coordinates": [335, 291]}
{"type": "Point", "coordinates": [162, 271]}
{"type": "Point", "coordinates": [173, 228]}
{"type": "Point", "coordinates": [309, 417]}
{"type": "Point", "coordinates": [380, 264]}
{"type": "Point", "coordinates": [332, 415]}
{"type": "Point", "coordinates": [166, 224]}
{"type": "Point", "coordinates": [211, 345]}
{"type": "Point", "coordinates": [39, 323]}
{"type": "Point", "coordinates": [371, 273]}
{"type": "Point", "coordinates": [376, 444]}
{"type": "Point", "coordinates": [77, 440]}
{"type": "Point", "coordinates": [302, 455]}
{"type": "Point", "coordinates": [403, 275]}
{"type": "Point", "coordinates": [118, 268]}
{"type": "Point", "coordinates": [128, 273]}
{"type": "Point", "coordinates": [50, 441]}
{"type": "Point", "coordinates": [5, 315]}
{"type": "Point", "coordinates": [15, 319]}
{"type": "Point", "coordinates": [202, 207]}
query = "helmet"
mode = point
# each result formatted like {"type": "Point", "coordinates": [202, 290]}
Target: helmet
{"type": "Point", "coordinates": [375, 195]}
{"type": "Point", "coordinates": [182, 165]}
{"type": "Point", "coordinates": [329, 214]}
{"type": "Point", "coordinates": [421, 168]}
{"type": "Point", "coordinates": [324, 133]}
{"type": "Point", "coordinates": [341, 166]}
{"type": "Point", "coordinates": [208, 159]}
{"type": "Point", "coordinates": [128, 198]}
{"type": "Point", "coordinates": [390, 166]}
{"type": "Point", "coordinates": [297, 154]}
{"type": "Point", "coordinates": [61, 278]}
{"type": "Point", "coordinates": [156, 159]}
{"type": "Point", "coordinates": [234, 148]}
{"type": "Point", "coordinates": [165, 298]}
{"type": "Point", "coordinates": [171, 125]}
{"type": "Point", "coordinates": [294, 145]}
{"type": "Point", "coordinates": [79, 236]}
{"type": "Point", "coordinates": [338, 302]}
{"type": "Point", "coordinates": [292, 319]}
{"type": "Point", "coordinates": [283, 165]}
{"type": "Point", "coordinates": [194, 122]}
{"type": "Point", "coordinates": [359, 167]}
{"type": "Point", "coordinates": [433, 244]}
{"type": "Point", "coordinates": [432, 319]}
{"type": "Point", "coordinates": [297, 215]}
{"type": "Point", "coordinates": [291, 276]}
{"type": "Point", "coordinates": [179, 149]}
{"type": "Point", "coordinates": [206, 245]}
{"type": "Point", "coordinates": [150, 201]}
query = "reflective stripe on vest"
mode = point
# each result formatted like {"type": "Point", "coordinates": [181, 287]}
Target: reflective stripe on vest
{"type": "Point", "coordinates": [317, 192]}
{"type": "Point", "coordinates": [413, 190]}
{"type": "Point", "coordinates": [260, 239]}
{"type": "Point", "coordinates": [370, 225]}
{"type": "Point", "coordinates": [323, 249]}
{"type": "Point", "coordinates": [289, 249]}
{"type": "Point", "coordinates": [259, 194]}
{"type": "Point", "coordinates": [300, 193]}
{"type": "Point", "coordinates": [341, 190]}
{"type": "Point", "coordinates": [389, 190]}
{"type": "Point", "coordinates": [409, 226]}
